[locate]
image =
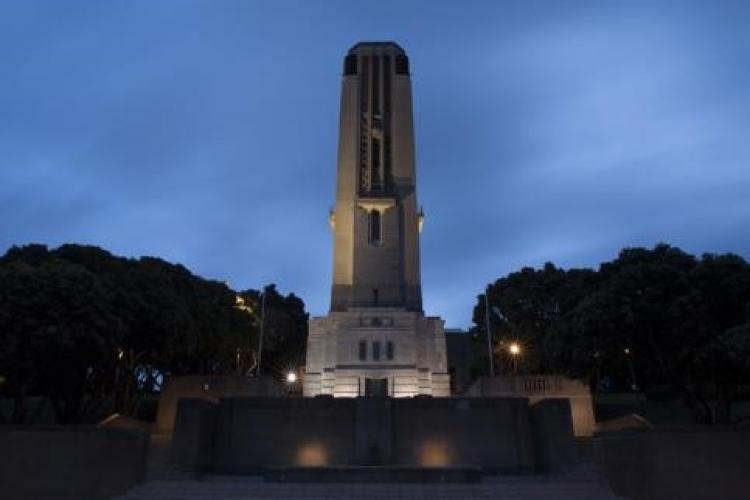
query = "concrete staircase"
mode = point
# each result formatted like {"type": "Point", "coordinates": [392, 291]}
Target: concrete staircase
{"type": "Point", "coordinates": [236, 488]}
{"type": "Point", "coordinates": [166, 483]}
{"type": "Point", "coordinates": [159, 466]}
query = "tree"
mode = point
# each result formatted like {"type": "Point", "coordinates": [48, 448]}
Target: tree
{"type": "Point", "coordinates": [719, 359]}
{"type": "Point", "coordinates": [92, 331]}
{"type": "Point", "coordinates": [534, 305]}
{"type": "Point", "coordinates": [58, 329]}
{"type": "Point", "coordinates": [659, 315]}
{"type": "Point", "coordinates": [645, 311]}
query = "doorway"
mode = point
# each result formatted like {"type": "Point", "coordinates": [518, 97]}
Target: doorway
{"type": "Point", "coordinates": [376, 387]}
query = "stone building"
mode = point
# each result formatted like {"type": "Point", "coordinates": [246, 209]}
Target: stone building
{"type": "Point", "coordinates": [376, 339]}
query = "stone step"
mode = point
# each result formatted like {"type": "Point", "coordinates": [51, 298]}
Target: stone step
{"type": "Point", "coordinates": [373, 474]}
{"type": "Point", "coordinates": [217, 488]}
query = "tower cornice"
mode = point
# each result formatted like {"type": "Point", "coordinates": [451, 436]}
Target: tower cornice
{"type": "Point", "coordinates": [375, 46]}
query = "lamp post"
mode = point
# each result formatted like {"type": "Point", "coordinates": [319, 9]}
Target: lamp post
{"type": "Point", "coordinates": [628, 355]}
{"type": "Point", "coordinates": [240, 304]}
{"type": "Point", "coordinates": [487, 326]}
{"type": "Point", "coordinates": [291, 379]}
{"type": "Point", "coordinates": [118, 369]}
{"type": "Point", "coordinates": [262, 325]}
{"type": "Point", "coordinates": [515, 350]}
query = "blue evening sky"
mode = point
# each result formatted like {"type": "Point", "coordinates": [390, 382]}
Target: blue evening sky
{"type": "Point", "coordinates": [204, 132]}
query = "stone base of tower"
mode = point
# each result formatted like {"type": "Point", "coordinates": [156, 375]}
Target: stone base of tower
{"type": "Point", "coordinates": [376, 351]}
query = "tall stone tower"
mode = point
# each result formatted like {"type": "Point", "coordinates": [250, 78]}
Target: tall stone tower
{"type": "Point", "coordinates": [376, 244]}
{"type": "Point", "coordinates": [376, 339]}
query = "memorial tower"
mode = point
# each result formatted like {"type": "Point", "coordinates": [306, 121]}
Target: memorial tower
{"type": "Point", "coordinates": [376, 339]}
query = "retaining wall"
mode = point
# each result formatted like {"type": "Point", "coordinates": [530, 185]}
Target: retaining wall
{"type": "Point", "coordinates": [688, 463]}
{"type": "Point", "coordinates": [242, 435]}
{"type": "Point", "coordinates": [210, 388]}
{"type": "Point", "coordinates": [541, 387]}
{"type": "Point", "coordinates": [81, 463]}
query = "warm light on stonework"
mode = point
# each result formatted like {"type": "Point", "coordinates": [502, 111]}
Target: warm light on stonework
{"type": "Point", "coordinates": [434, 454]}
{"type": "Point", "coordinates": [311, 455]}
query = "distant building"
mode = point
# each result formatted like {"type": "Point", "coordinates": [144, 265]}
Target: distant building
{"type": "Point", "coordinates": [376, 339]}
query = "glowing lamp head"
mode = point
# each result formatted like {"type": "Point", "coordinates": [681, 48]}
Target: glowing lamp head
{"type": "Point", "coordinates": [291, 377]}
{"type": "Point", "coordinates": [514, 349]}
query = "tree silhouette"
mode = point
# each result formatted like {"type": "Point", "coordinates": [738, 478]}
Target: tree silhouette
{"type": "Point", "coordinates": [91, 331]}
{"type": "Point", "coordinates": [657, 318]}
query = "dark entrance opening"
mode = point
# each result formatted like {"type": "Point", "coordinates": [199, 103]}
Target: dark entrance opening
{"type": "Point", "coordinates": [376, 387]}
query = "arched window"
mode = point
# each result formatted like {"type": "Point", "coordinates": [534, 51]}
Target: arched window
{"type": "Point", "coordinates": [375, 228]}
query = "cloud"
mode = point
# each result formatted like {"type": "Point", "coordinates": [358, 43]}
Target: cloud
{"type": "Point", "coordinates": [206, 133]}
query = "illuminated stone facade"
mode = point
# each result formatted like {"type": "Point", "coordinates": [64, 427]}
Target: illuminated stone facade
{"type": "Point", "coordinates": [376, 339]}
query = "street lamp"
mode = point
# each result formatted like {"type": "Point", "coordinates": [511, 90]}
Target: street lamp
{"type": "Point", "coordinates": [262, 324]}
{"type": "Point", "coordinates": [291, 380]}
{"type": "Point", "coordinates": [628, 355]}
{"type": "Point", "coordinates": [489, 331]}
{"type": "Point", "coordinates": [240, 304]}
{"type": "Point", "coordinates": [515, 351]}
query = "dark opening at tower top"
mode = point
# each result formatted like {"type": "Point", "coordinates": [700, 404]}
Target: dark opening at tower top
{"type": "Point", "coordinates": [353, 64]}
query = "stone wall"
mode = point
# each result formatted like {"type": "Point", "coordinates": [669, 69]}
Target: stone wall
{"type": "Point", "coordinates": [540, 387]}
{"type": "Point", "coordinates": [193, 436]}
{"type": "Point", "coordinates": [251, 433]}
{"type": "Point", "coordinates": [210, 388]}
{"type": "Point", "coordinates": [691, 463]}
{"type": "Point", "coordinates": [82, 463]}
{"type": "Point", "coordinates": [494, 433]}
{"type": "Point", "coordinates": [248, 434]}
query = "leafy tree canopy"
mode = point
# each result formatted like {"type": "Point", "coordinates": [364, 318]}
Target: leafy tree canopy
{"type": "Point", "coordinates": [89, 330]}
{"type": "Point", "coordinates": [651, 318]}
